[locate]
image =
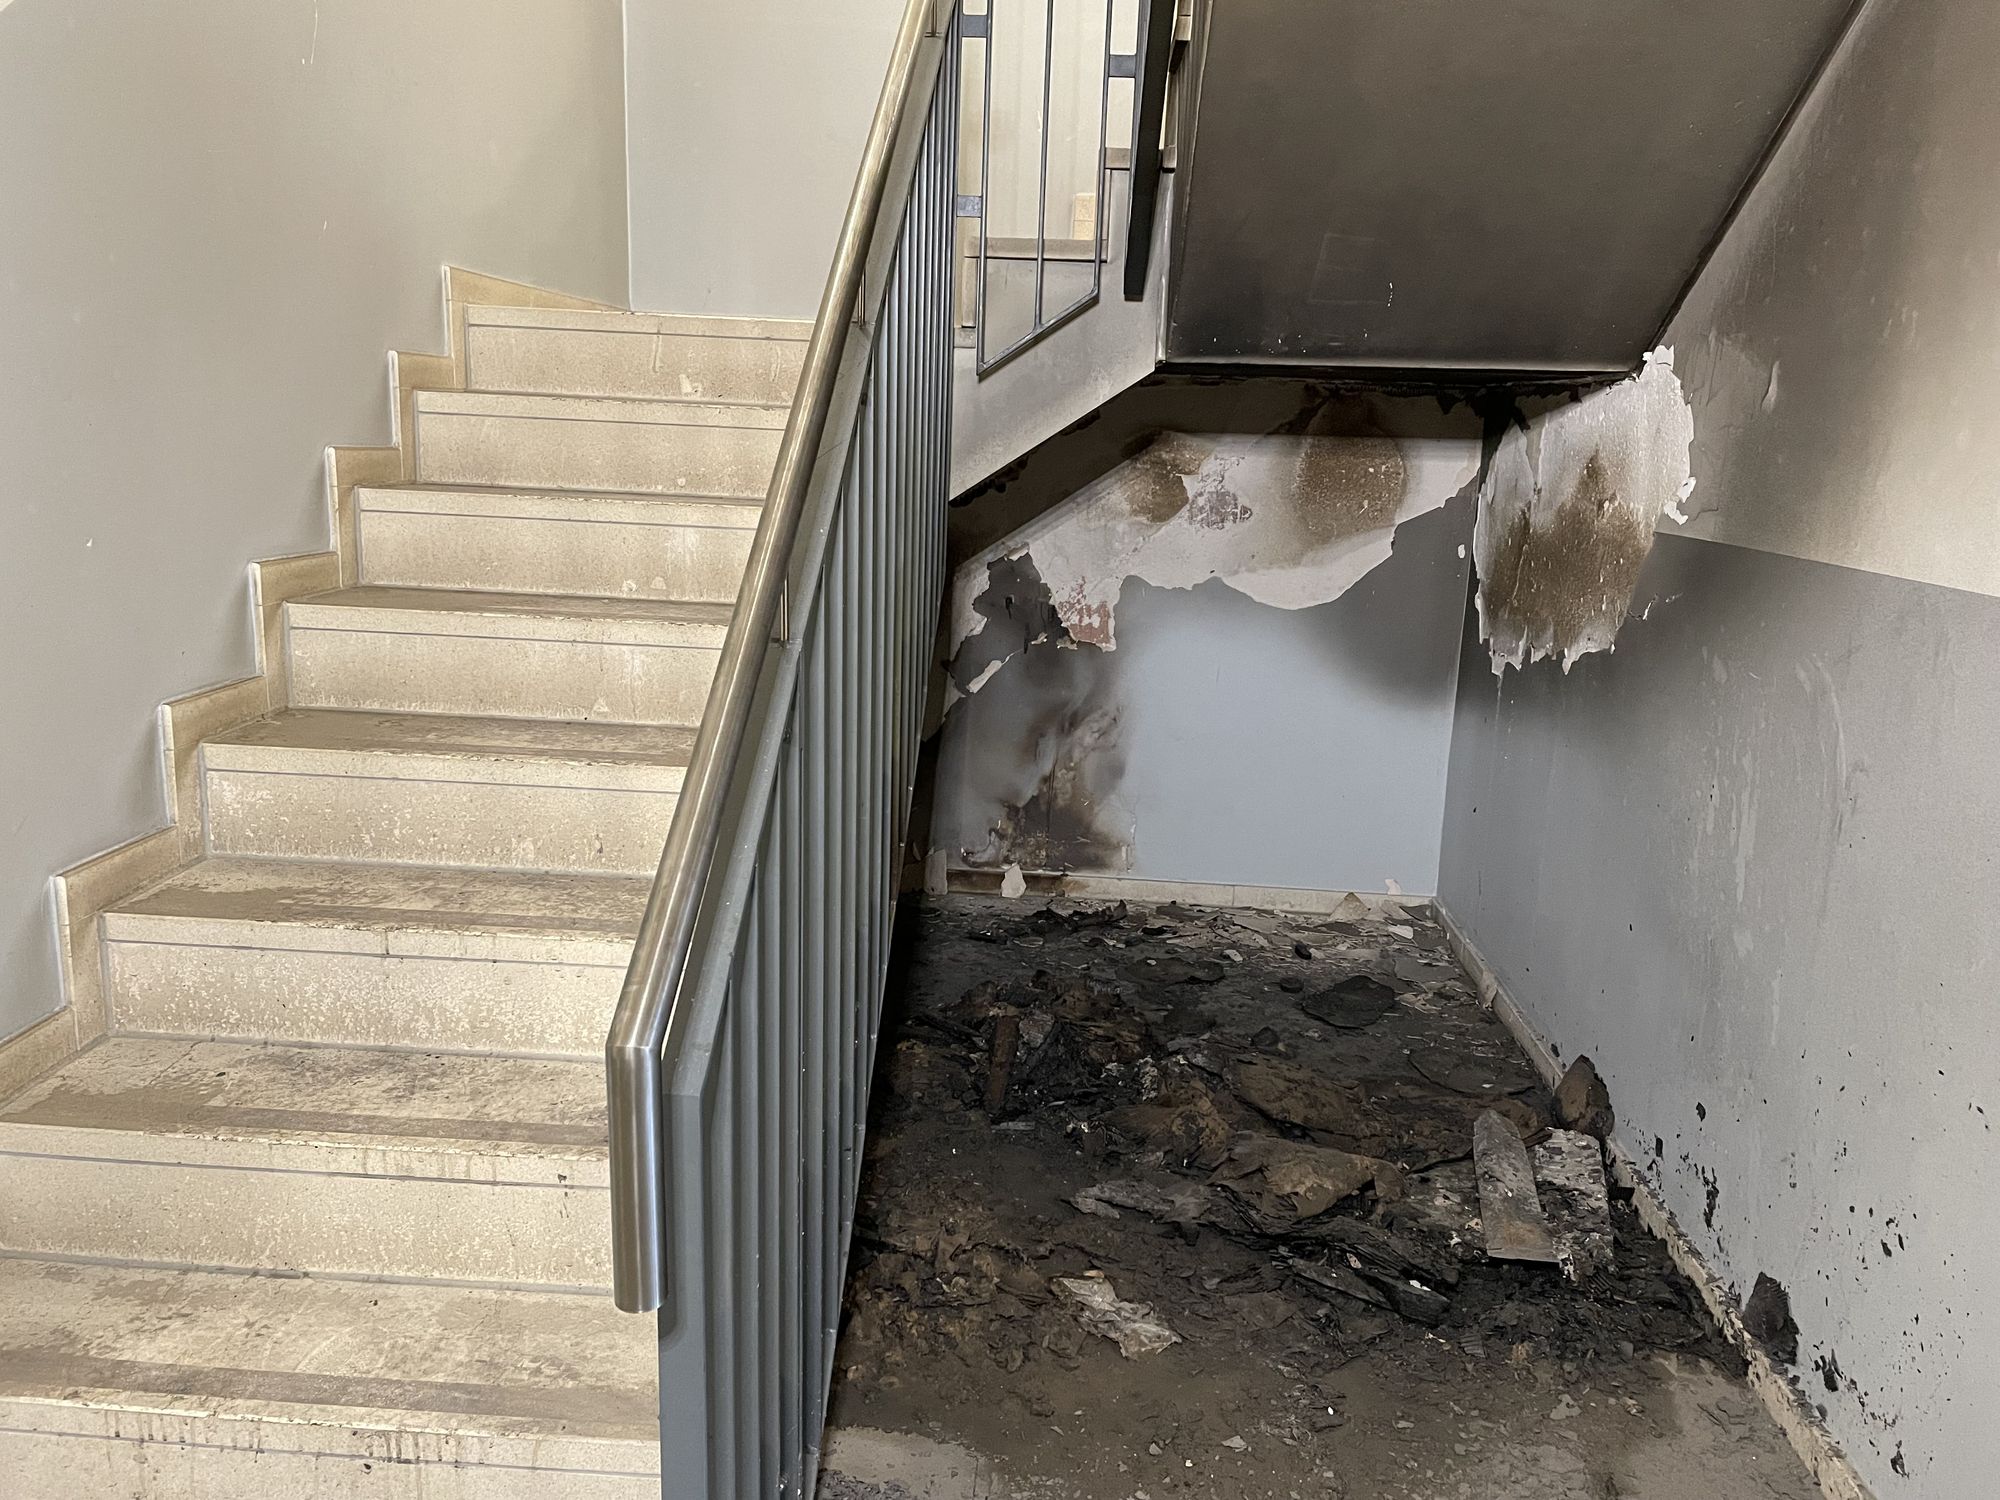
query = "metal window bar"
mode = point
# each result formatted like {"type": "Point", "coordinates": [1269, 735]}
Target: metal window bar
{"type": "Point", "coordinates": [1159, 26]}
{"type": "Point", "coordinates": [739, 1058]}
{"type": "Point", "coordinates": [1042, 322]}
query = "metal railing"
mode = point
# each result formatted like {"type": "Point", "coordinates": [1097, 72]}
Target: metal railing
{"type": "Point", "coordinates": [1159, 25]}
{"type": "Point", "coordinates": [1030, 311]}
{"type": "Point", "coordinates": [738, 1061]}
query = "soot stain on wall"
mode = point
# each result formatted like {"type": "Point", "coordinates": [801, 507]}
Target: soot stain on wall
{"type": "Point", "coordinates": [1061, 825]}
{"type": "Point", "coordinates": [1567, 510]}
{"type": "Point", "coordinates": [1157, 484]}
{"type": "Point", "coordinates": [1033, 762]}
{"type": "Point", "coordinates": [1572, 580]}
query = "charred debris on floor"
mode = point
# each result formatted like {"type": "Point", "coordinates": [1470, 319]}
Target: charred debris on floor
{"type": "Point", "coordinates": [1255, 1135]}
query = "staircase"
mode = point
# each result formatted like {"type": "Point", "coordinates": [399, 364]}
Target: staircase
{"type": "Point", "coordinates": [327, 1212]}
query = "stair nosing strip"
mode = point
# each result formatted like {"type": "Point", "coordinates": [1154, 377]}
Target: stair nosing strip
{"type": "Point", "coordinates": [546, 786]}
{"type": "Point", "coordinates": [480, 635]}
{"type": "Point", "coordinates": [342, 1174]}
{"type": "Point", "coordinates": [265, 1273]}
{"type": "Point", "coordinates": [381, 953]}
{"type": "Point", "coordinates": [487, 515]}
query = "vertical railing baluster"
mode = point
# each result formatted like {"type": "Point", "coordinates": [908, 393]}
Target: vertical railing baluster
{"type": "Point", "coordinates": [772, 1287]}
{"type": "Point", "coordinates": [746, 1265]}
{"type": "Point", "coordinates": [829, 946]}
{"type": "Point", "coordinates": [722, 1132]}
{"type": "Point", "coordinates": [818, 1130]}
{"type": "Point", "coordinates": [881, 409]}
{"type": "Point", "coordinates": [790, 876]}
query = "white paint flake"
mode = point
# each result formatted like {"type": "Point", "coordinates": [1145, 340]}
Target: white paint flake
{"type": "Point", "coordinates": [1292, 521]}
{"type": "Point", "coordinates": [1567, 512]}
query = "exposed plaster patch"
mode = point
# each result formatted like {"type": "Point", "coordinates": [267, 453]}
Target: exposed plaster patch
{"type": "Point", "coordinates": [1290, 518]}
{"type": "Point", "coordinates": [1567, 512]}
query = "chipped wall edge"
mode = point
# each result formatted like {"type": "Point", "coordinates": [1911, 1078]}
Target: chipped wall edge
{"type": "Point", "coordinates": [1824, 1458]}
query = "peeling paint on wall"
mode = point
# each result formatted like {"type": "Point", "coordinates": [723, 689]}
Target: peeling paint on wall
{"type": "Point", "coordinates": [1567, 511]}
{"type": "Point", "coordinates": [1290, 518]}
{"type": "Point", "coordinates": [1013, 611]}
{"type": "Point", "coordinates": [1223, 550]}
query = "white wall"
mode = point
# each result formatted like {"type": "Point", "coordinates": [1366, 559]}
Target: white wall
{"type": "Point", "coordinates": [746, 125]}
{"type": "Point", "coordinates": [1747, 861]}
{"type": "Point", "coordinates": [218, 217]}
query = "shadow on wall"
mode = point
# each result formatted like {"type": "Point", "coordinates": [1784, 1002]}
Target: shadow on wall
{"type": "Point", "coordinates": [1383, 634]}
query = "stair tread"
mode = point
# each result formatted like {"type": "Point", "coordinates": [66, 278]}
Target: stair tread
{"type": "Point", "coordinates": [339, 895]}
{"type": "Point", "coordinates": [368, 732]}
{"type": "Point", "coordinates": [550, 1380]}
{"type": "Point", "coordinates": [449, 602]}
{"type": "Point", "coordinates": [592, 320]}
{"type": "Point", "coordinates": [672, 411]}
{"type": "Point", "coordinates": [367, 1110]}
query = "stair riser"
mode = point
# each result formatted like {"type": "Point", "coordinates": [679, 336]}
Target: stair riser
{"type": "Point", "coordinates": [518, 555]}
{"type": "Point", "coordinates": [608, 681]}
{"type": "Point", "coordinates": [479, 824]}
{"type": "Point", "coordinates": [632, 457]}
{"type": "Point", "coordinates": [361, 999]}
{"type": "Point", "coordinates": [326, 1222]}
{"type": "Point", "coordinates": [578, 362]}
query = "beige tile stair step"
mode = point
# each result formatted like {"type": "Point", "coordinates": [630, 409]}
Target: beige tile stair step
{"type": "Point", "coordinates": [531, 656]}
{"type": "Point", "coordinates": [556, 542]}
{"type": "Point", "coordinates": [445, 789]}
{"type": "Point", "coordinates": [374, 955]}
{"type": "Point", "coordinates": [330, 1160]}
{"type": "Point", "coordinates": [598, 443]}
{"type": "Point", "coordinates": [633, 354]}
{"type": "Point", "coordinates": [118, 1382]}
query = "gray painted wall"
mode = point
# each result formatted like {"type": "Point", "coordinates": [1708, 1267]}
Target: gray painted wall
{"type": "Point", "coordinates": [220, 215]}
{"type": "Point", "coordinates": [746, 123]}
{"type": "Point", "coordinates": [1747, 862]}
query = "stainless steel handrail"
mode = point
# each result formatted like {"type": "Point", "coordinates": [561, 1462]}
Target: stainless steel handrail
{"type": "Point", "coordinates": [648, 1004]}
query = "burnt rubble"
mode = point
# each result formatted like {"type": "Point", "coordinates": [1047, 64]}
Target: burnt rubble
{"type": "Point", "coordinates": [1105, 1128]}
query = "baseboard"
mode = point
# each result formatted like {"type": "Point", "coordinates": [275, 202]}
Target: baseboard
{"type": "Point", "coordinates": [346, 469]}
{"type": "Point", "coordinates": [1188, 892]}
{"type": "Point", "coordinates": [463, 289]}
{"type": "Point", "coordinates": [1817, 1448]}
{"type": "Point", "coordinates": [83, 892]}
{"type": "Point", "coordinates": [42, 1048]}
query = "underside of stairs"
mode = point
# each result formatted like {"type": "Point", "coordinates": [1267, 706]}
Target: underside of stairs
{"type": "Point", "coordinates": [326, 1212]}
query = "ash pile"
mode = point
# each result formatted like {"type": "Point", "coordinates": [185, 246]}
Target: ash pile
{"type": "Point", "coordinates": [1106, 1131]}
